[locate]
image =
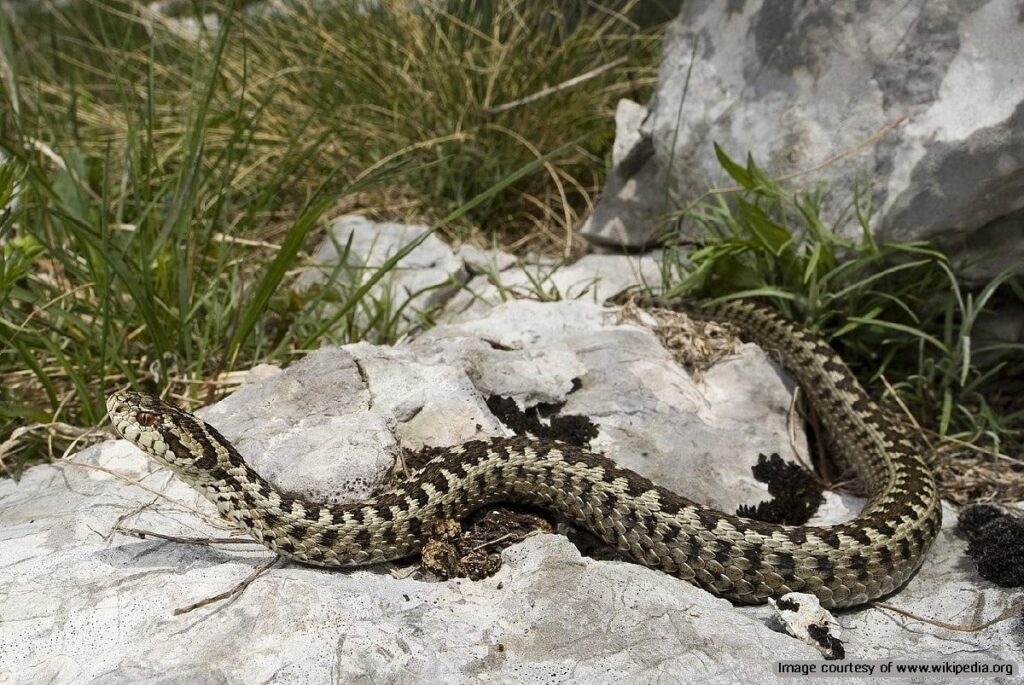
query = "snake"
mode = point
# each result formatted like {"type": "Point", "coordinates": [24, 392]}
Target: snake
{"type": "Point", "coordinates": [741, 559]}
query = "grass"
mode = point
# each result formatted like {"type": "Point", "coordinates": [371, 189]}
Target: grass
{"type": "Point", "coordinates": [897, 313]}
{"type": "Point", "coordinates": [162, 190]}
{"type": "Point", "coordinates": [366, 87]}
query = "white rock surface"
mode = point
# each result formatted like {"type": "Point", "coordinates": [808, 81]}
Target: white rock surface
{"type": "Point", "coordinates": [357, 247]}
{"type": "Point", "coordinates": [592, 278]}
{"type": "Point", "coordinates": [653, 417]}
{"type": "Point", "coordinates": [462, 283]}
{"type": "Point", "coordinates": [481, 261]}
{"type": "Point", "coordinates": [78, 604]}
{"type": "Point", "coordinates": [924, 99]}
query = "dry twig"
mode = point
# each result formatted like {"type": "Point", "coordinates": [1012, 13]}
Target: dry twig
{"type": "Point", "coordinates": [228, 594]}
{"type": "Point", "coordinates": [203, 542]}
{"type": "Point", "coordinates": [792, 421]}
{"type": "Point", "coordinates": [217, 522]}
{"type": "Point", "coordinates": [496, 540]}
{"type": "Point", "coordinates": [1013, 611]}
{"type": "Point", "coordinates": [907, 413]}
{"type": "Point", "coordinates": [10, 445]}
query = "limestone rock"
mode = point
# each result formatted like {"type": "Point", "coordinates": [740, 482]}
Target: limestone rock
{"type": "Point", "coordinates": [592, 278]}
{"type": "Point", "coordinates": [634, 193]}
{"type": "Point", "coordinates": [462, 283]}
{"type": "Point", "coordinates": [804, 618]}
{"type": "Point", "coordinates": [357, 247]}
{"type": "Point", "coordinates": [924, 99]}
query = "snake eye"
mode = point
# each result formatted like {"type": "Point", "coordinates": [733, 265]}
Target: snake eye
{"type": "Point", "coordinates": [145, 418]}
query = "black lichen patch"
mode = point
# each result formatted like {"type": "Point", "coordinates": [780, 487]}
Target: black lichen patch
{"type": "Point", "coordinates": [832, 648]}
{"type": "Point", "coordinates": [570, 428]}
{"type": "Point", "coordinates": [995, 540]}
{"type": "Point", "coordinates": [975, 517]}
{"type": "Point", "coordinates": [787, 605]}
{"type": "Point", "coordinates": [796, 495]}
{"type": "Point", "coordinates": [573, 429]}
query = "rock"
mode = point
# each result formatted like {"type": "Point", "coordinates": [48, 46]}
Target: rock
{"type": "Point", "coordinates": [174, 15]}
{"type": "Point", "coordinates": [419, 282]}
{"type": "Point", "coordinates": [79, 603]}
{"type": "Point", "coordinates": [481, 261]}
{"type": "Point", "coordinates": [644, 404]}
{"type": "Point", "coordinates": [465, 282]}
{"type": "Point", "coordinates": [804, 618]}
{"type": "Point", "coordinates": [593, 278]}
{"type": "Point", "coordinates": [260, 372]}
{"type": "Point", "coordinates": [432, 404]}
{"type": "Point", "coordinates": [991, 249]}
{"type": "Point", "coordinates": [946, 588]}
{"type": "Point", "coordinates": [924, 100]}
{"type": "Point", "coordinates": [634, 193]}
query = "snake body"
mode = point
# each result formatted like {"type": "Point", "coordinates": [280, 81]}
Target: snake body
{"type": "Point", "coordinates": [742, 559]}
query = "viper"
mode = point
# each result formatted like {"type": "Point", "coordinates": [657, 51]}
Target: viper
{"type": "Point", "coordinates": [742, 559]}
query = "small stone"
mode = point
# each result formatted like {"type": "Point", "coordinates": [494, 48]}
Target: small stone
{"type": "Point", "coordinates": [805, 619]}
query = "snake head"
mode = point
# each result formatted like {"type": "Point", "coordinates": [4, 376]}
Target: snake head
{"type": "Point", "coordinates": [169, 435]}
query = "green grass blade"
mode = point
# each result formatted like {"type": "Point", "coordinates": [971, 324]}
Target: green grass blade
{"type": "Point", "coordinates": [275, 272]}
{"type": "Point", "coordinates": [902, 328]}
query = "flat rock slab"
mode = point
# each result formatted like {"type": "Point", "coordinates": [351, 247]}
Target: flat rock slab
{"type": "Point", "coordinates": [78, 603]}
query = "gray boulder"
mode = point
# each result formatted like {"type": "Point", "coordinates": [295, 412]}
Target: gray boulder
{"type": "Point", "coordinates": [924, 99]}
